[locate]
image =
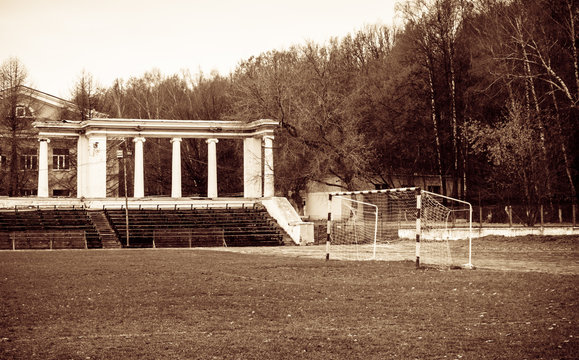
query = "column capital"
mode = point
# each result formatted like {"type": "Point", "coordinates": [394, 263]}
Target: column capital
{"type": "Point", "coordinates": [212, 140]}
{"type": "Point", "coordinates": [268, 137]}
{"type": "Point", "coordinates": [44, 139]}
{"type": "Point", "coordinates": [139, 139]}
{"type": "Point", "coordinates": [176, 139]}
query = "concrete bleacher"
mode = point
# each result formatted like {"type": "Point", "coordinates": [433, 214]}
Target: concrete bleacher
{"type": "Point", "coordinates": [196, 227]}
{"type": "Point", "coordinates": [47, 229]}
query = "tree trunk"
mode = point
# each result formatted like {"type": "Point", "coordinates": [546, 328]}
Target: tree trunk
{"type": "Point", "coordinates": [573, 39]}
{"type": "Point", "coordinates": [13, 187]}
{"type": "Point", "coordinates": [435, 124]}
{"type": "Point", "coordinates": [563, 147]}
{"type": "Point", "coordinates": [529, 76]}
{"type": "Point", "coordinates": [452, 89]}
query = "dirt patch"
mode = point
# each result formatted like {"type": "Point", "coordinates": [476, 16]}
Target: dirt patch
{"type": "Point", "coordinates": [548, 254]}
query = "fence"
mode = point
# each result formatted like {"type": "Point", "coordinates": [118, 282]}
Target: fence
{"type": "Point", "coordinates": [40, 239]}
{"type": "Point", "coordinates": [501, 216]}
{"type": "Point", "coordinates": [519, 215]}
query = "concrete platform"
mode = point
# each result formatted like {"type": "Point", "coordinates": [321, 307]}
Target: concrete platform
{"type": "Point", "coordinates": [100, 203]}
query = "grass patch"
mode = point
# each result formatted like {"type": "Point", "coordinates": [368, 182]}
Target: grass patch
{"type": "Point", "coordinates": [175, 304]}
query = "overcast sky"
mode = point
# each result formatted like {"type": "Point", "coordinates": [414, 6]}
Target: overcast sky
{"type": "Point", "coordinates": [57, 39]}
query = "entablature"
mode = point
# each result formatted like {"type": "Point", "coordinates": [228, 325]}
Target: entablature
{"type": "Point", "coordinates": [156, 128]}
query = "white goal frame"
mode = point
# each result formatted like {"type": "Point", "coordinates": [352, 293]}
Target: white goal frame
{"type": "Point", "coordinates": [424, 200]}
{"type": "Point", "coordinates": [468, 265]}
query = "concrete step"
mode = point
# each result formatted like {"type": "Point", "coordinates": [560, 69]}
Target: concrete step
{"type": "Point", "coordinates": [107, 234]}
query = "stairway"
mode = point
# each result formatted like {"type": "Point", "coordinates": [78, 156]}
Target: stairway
{"type": "Point", "coordinates": [107, 234]}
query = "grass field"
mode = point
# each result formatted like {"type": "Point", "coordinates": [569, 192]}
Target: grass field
{"type": "Point", "coordinates": [204, 304]}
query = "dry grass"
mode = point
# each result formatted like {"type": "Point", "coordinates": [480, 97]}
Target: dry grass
{"type": "Point", "coordinates": [187, 304]}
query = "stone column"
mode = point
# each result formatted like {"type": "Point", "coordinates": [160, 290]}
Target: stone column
{"type": "Point", "coordinates": [176, 168]}
{"type": "Point", "coordinates": [43, 168]}
{"type": "Point", "coordinates": [139, 183]}
{"type": "Point", "coordinates": [212, 168]}
{"type": "Point", "coordinates": [95, 182]}
{"type": "Point", "coordinates": [252, 178]}
{"type": "Point", "coordinates": [268, 178]}
{"type": "Point", "coordinates": [81, 165]}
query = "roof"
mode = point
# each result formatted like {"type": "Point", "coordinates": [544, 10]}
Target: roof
{"type": "Point", "coordinates": [47, 98]}
{"type": "Point", "coordinates": [44, 97]}
{"type": "Point", "coordinates": [158, 128]}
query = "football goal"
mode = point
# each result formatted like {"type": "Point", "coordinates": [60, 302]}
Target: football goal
{"type": "Point", "coordinates": [399, 224]}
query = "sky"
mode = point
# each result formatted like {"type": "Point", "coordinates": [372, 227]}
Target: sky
{"type": "Point", "coordinates": [56, 40]}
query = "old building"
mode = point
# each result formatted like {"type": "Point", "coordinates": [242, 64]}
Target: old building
{"type": "Point", "coordinates": [19, 147]}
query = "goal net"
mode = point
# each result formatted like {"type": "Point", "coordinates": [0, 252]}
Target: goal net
{"type": "Point", "coordinates": [383, 225]}
{"type": "Point", "coordinates": [445, 231]}
{"type": "Point", "coordinates": [354, 227]}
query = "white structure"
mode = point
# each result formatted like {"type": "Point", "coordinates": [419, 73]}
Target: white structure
{"type": "Point", "coordinates": [268, 180]}
{"type": "Point", "coordinates": [43, 168]}
{"type": "Point", "coordinates": [139, 183]}
{"type": "Point", "coordinates": [92, 135]}
{"type": "Point", "coordinates": [176, 168]}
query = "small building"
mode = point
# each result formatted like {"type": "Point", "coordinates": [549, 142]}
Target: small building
{"type": "Point", "coordinates": [316, 194]}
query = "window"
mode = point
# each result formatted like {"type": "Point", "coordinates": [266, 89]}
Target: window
{"type": "Point", "coordinates": [3, 163]}
{"type": "Point", "coordinates": [382, 186]}
{"type": "Point", "coordinates": [60, 192]}
{"type": "Point", "coordinates": [20, 111]}
{"type": "Point", "coordinates": [23, 111]}
{"type": "Point", "coordinates": [29, 162]}
{"type": "Point", "coordinates": [29, 192]}
{"type": "Point", "coordinates": [60, 159]}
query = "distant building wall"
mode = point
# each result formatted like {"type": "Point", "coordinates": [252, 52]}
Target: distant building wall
{"type": "Point", "coordinates": [316, 196]}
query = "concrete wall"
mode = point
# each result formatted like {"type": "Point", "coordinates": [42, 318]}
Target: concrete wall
{"type": "Point", "coordinates": [302, 233]}
{"type": "Point", "coordinates": [457, 234]}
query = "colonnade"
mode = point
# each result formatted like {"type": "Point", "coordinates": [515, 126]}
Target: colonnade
{"type": "Point", "coordinates": [92, 134]}
{"type": "Point", "coordinates": [91, 167]}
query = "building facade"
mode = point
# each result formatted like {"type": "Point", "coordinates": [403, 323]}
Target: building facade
{"type": "Point", "coordinates": [19, 147]}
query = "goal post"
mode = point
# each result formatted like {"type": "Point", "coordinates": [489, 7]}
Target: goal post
{"type": "Point", "coordinates": [399, 224]}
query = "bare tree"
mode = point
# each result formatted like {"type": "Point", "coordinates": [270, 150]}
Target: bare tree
{"type": "Point", "coordinates": [86, 96]}
{"type": "Point", "coordinates": [420, 26]}
{"type": "Point", "coordinates": [15, 115]}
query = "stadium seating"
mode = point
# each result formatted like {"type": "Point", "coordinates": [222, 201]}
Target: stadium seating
{"type": "Point", "coordinates": [196, 227]}
{"type": "Point", "coordinates": [40, 229]}
{"type": "Point", "coordinates": [248, 225]}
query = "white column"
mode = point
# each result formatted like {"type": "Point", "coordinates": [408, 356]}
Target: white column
{"type": "Point", "coordinates": [43, 168]}
{"type": "Point", "coordinates": [176, 168]}
{"type": "Point", "coordinates": [252, 178]}
{"type": "Point", "coordinates": [81, 165]}
{"type": "Point", "coordinates": [139, 183]}
{"type": "Point", "coordinates": [95, 181]}
{"type": "Point", "coordinates": [268, 178]}
{"type": "Point", "coordinates": [212, 168]}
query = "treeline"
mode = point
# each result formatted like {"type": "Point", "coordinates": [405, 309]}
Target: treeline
{"type": "Point", "coordinates": [484, 92]}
